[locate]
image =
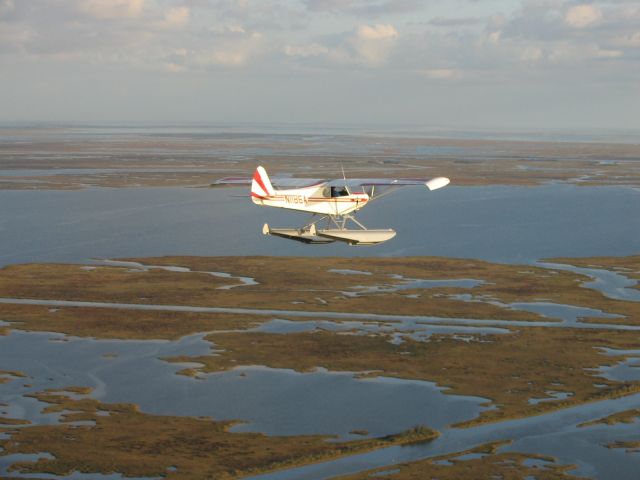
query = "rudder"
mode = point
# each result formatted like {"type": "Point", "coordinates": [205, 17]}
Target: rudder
{"type": "Point", "coordinates": [260, 185]}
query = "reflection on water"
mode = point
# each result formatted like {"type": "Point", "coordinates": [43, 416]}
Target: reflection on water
{"type": "Point", "coordinates": [491, 223]}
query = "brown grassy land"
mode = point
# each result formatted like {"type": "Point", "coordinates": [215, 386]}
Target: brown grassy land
{"type": "Point", "coordinates": [282, 282]}
{"type": "Point", "coordinates": [505, 283]}
{"type": "Point", "coordinates": [627, 266]}
{"type": "Point", "coordinates": [124, 440]}
{"type": "Point", "coordinates": [12, 421]}
{"type": "Point", "coordinates": [470, 161]}
{"type": "Point", "coordinates": [8, 375]}
{"type": "Point", "coordinates": [308, 283]}
{"type": "Point", "coordinates": [509, 369]}
{"type": "Point", "coordinates": [536, 360]}
{"type": "Point", "coordinates": [120, 323]}
{"type": "Point", "coordinates": [631, 447]}
{"type": "Point", "coordinates": [504, 466]}
{"type": "Point", "coordinates": [628, 416]}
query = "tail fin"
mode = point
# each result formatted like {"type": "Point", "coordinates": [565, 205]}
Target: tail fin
{"type": "Point", "coordinates": [260, 184]}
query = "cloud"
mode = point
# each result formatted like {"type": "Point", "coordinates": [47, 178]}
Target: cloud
{"type": "Point", "coordinates": [441, 73]}
{"type": "Point", "coordinates": [365, 8]}
{"type": "Point", "coordinates": [373, 43]}
{"type": "Point", "coordinates": [531, 54]}
{"type": "Point", "coordinates": [629, 40]}
{"type": "Point", "coordinates": [581, 16]}
{"type": "Point", "coordinates": [176, 17]}
{"type": "Point", "coordinates": [456, 22]}
{"type": "Point", "coordinates": [377, 32]}
{"type": "Point", "coordinates": [6, 7]}
{"type": "Point", "coordinates": [366, 45]}
{"type": "Point", "coordinates": [262, 15]}
{"type": "Point", "coordinates": [308, 50]}
{"type": "Point", "coordinates": [132, 33]}
{"type": "Point", "coordinates": [229, 49]}
{"type": "Point", "coordinates": [186, 35]}
{"type": "Point", "coordinates": [570, 54]}
{"type": "Point", "coordinates": [108, 9]}
{"type": "Point", "coordinates": [13, 38]}
{"type": "Point", "coordinates": [549, 34]}
{"type": "Point", "coordinates": [234, 57]}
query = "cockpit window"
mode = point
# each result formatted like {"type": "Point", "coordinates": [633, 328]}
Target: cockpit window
{"type": "Point", "coordinates": [339, 192]}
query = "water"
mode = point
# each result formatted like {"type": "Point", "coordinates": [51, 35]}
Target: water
{"type": "Point", "coordinates": [399, 330]}
{"type": "Point", "coordinates": [140, 267]}
{"type": "Point", "coordinates": [570, 321]}
{"type": "Point", "coordinates": [503, 224]}
{"type": "Point", "coordinates": [555, 434]}
{"type": "Point", "coordinates": [553, 395]}
{"type": "Point", "coordinates": [272, 401]}
{"type": "Point", "coordinates": [612, 284]}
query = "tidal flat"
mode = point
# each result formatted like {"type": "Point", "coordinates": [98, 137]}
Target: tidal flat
{"type": "Point", "coordinates": [522, 357]}
{"type": "Point", "coordinates": [379, 324]}
{"type": "Point", "coordinates": [480, 462]}
{"type": "Point", "coordinates": [70, 158]}
{"type": "Point", "coordinates": [96, 437]}
{"type": "Point", "coordinates": [503, 292]}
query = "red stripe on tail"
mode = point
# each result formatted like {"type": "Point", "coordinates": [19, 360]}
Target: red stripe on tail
{"type": "Point", "coordinates": [259, 181]}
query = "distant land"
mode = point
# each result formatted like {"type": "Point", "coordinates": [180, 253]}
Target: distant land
{"type": "Point", "coordinates": [74, 157]}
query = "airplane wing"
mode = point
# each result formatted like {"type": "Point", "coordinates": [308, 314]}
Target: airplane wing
{"type": "Point", "coordinates": [430, 183]}
{"type": "Point", "coordinates": [379, 187]}
{"type": "Point", "coordinates": [281, 183]}
{"type": "Point", "coordinates": [374, 187]}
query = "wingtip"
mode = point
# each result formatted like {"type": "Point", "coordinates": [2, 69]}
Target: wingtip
{"type": "Point", "coordinates": [438, 182]}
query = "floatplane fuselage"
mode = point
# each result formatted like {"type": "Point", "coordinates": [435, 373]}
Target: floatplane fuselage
{"type": "Point", "coordinates": [330, 201]}
{"type": "Point", "coordinates": [319, 198]}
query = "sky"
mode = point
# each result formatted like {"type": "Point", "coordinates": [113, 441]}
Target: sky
{"type": "Point", "coordinates": [508, 64]}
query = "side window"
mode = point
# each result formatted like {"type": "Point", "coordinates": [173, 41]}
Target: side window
{"type": "Point", "coordinates": [339, 192]}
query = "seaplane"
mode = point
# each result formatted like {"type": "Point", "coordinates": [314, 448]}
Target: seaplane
{"type": "Point", "coordinates": [332, 204]}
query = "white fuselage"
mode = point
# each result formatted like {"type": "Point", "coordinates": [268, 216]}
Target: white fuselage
{"type": "Point", "coordinates": [320, 199]}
